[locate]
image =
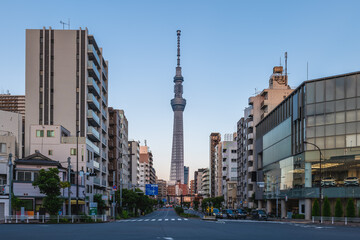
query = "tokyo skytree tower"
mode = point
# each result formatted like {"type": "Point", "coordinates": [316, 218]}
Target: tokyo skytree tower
{"type": "Point", "coordinates": [178, 105]}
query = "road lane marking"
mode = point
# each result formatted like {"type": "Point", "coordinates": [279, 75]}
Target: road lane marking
{"type": "Point", "coordinates": [159, 219]}
{"type": "Point", "coordinates": [153, 220]}
{"type": "Point", "coordinates": [173, 219]}
{"type": "Point", "coordinates": [146, 220]}
{"type": "Point", "coordinates": [140, 220]}
{"type": "Point", "coordinates": [166, 219]}
{"type": "Point", "coordinates": [179, 219]}
{"type": "Point", "coordinates": [186, 219]}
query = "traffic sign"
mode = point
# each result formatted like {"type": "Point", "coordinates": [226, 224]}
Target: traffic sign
{"type": "Point", "coordinates": [115, 187]}
{"type": "Point", "coordinates": [151, 189]}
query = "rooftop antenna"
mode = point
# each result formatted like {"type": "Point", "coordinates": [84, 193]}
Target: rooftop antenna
{"type": "Point", "coordinates": [145, 142]}
{"type": "Point", "coordinates": [178, 47]}
{"type": "Point", "coordinates": [286, 64]}
{"type": "Point", "coordinates": [67, 24]}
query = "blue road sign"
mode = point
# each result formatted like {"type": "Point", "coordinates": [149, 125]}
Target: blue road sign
{"type": "Point", "coordinates": [164, 200]}
{"type": "Point", "coordinates": [151, 189]}
{"type": "Point", "coordinates": [115, 187]}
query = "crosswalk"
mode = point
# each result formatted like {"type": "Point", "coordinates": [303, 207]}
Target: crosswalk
{"type": "Point", "coordinates": [154, 220]}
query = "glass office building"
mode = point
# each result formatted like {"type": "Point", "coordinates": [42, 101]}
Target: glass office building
{"type": "Point", "coordinates": [324, 112]}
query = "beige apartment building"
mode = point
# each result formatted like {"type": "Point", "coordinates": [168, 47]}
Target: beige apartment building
{"type": "Point", "coordinates": [259, 106]}
{"type": "Point", "coordinates": [67, 86]}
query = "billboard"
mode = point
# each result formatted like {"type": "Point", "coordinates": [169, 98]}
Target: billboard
{"type": "Point", "coordinates": [151, 189]}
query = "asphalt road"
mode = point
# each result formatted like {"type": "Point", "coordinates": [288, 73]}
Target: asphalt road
{"type": "Point", "coordinates": [165, 224]}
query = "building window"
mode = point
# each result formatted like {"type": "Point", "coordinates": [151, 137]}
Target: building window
{"type": "Point", "coordinates": [50, 133]}
{"type": "Point", "coordinates": [24, 176]}
{"type": "Point", "coordinates": [233, 169]}
{"type": "Point", "coordinates": [50, 152]}
{"type": "Point", "coordinates": [233, 151]}
{"type": "Point", "coordinates": [73, 151]}
{"type": "Point", "coordinates": [233, 160]}
{"type": "Point", "coordinates": [39, 133]}
{"type": "Point", "coordinates": [2, 147]}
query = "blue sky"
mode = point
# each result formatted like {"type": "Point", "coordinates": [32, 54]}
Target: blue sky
{"type": "Point", "coordinates": [228, 50]}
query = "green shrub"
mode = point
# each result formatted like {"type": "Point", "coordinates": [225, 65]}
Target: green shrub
{"type": "Point", "coordinates": [179, 210]}
{"type": "Point", "coordinates": [298, 216]}
{"type": "Point", "coordinates": [125, 214]}
{"type": "Point", "coordinates": [326, 208]}
{"type": "Point", "coordinates": [316, 208]}
{"type": "Point", "coordinates": [338, 208]}
{"type": "Point", "coordinates": [350, 208]}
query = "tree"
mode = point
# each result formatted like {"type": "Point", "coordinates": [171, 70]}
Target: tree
{"type": "Point", "coordinates": [338, 208]}
{"type": "Point", "coordinates": [350, 208]}
{"type": "Point", "coordinates": [316, 208]}
{"type": "Point", "coordinates": [100, 202]}
{"type": "Point", "coordinates": [326, 208]}
{"type": "Point", "coordinates": [196, 205]}
{"type": "Point", "coordinates": [49, 184]}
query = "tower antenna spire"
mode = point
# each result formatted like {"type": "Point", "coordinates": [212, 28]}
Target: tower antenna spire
{"type": "Point", "coordinates": [178, 47]}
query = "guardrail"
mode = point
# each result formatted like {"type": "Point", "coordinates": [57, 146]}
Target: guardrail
{"type": "Point", "coordinates": [54, 219]}
{"type": "Point", "coordinates": [344, 220]}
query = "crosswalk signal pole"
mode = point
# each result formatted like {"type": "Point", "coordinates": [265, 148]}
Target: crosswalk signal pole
{"type": "Point", "coordinates": [69, 188]}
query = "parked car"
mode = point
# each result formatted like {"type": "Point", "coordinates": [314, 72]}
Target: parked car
{"type": "Point", "coordinates": [351, 181]}
{"type": "Point", "coordinates": [241, 214]}
{"type": "Point", "coordinates": [259, 215]}
{"type": "Point", "coordinates": [216, 212]}
{"type": "Point", "coordinates": [228, 213]}
{"type": "Point", "coordinates": [328, 182]}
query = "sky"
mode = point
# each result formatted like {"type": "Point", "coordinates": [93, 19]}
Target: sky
{"type": "Point", "coordinates": [228, 50]}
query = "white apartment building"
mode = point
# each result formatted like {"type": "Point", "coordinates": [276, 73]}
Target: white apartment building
{"type": "Point", "coordinates": [67, 85]}
{"type": "Point", "coordinates": [229, 170]}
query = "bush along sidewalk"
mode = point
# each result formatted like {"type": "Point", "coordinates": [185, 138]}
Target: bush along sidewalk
{"type": "Point", "coordinates": [180, 211]}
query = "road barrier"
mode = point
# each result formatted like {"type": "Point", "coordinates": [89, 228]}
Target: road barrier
{"type": "Point", "coordinates": [334, 220]}
{"type": "Point", "coordinates": [54, 219]}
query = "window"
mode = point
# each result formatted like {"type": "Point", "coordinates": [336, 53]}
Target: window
{"type": "Point", "coordinates": [50, 133]}
{"type": "Point", "coordinates": [24, 176]}
{"type": "Point", "coordinates": [39, 133]}
{"type": "Point", "coordinates": [233, 160]}
{"type": "Point", "coordinates": [233, 151]}
{"type": "Point", "coordinates": [73, 151]}
{"type": "Point", "coordinates": [233, 169]}
{"type": "Point", "coordinates": [2, 147]}
{"type": "Point", "coordinates": [50, 152]}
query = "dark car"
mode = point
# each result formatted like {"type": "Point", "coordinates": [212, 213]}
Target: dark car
{"type": "Point", "coordinates": [228, 213]}
{"type": "Point", "coordinates": [259, 215]}
{"type": "Point", "coordinates": [241, 214]}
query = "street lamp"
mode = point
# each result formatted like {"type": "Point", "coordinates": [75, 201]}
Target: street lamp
{"type": "Point", "coordinates": [320, 189]}
{"type": "Point", "coordinates": [77, 172]}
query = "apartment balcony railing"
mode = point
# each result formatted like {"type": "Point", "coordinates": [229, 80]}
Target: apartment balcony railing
{"type": "Point", "coordinates": [93, 134]}
{"type": "Point", "coordinates": [104, 182]}
{"type": "Point", "coordinates": [93, 102]}
{"type": "Point", "coordinates": [104, 71]}
{"type": "Point", "coordinates": [94, 147]}
{"type": "Point", "coordinates": [104, 142]}
{"type": "Point", "coordinates": [104, 127]}
{"type": "Point", "coordinates": [264, 104]}
{"type": "Point", "coordinates": [93, 87]}
{"type": "Point", "coordinates": [103, 98]}
{"type": "Point", "coordinates": [96, 165]}
{"type": "Point", "coordinates": [104, 85]}
{"type": "Point", "coordinates": [93, 54]}
{"type": "Point", "coordinates": [93, 119]}
{"type": "Point", "coordinates": [250, 124]}
{"type": "Point", "coordinates": [250, 136]}
{"type": "Point", "coordinates": [250, 147]}
{"type": "Point", "coordinates": [250, 158]}
{"type": "Point", "coordinates": [104, 113]}
{"type": "Point", "coordinates": [104, 155]}
{"type": "Point", "coordinates": [93, 71]}
{"type": "Point", "coordinates": [97, 180]}
{"type": "Point", "coordinates": [104, 169]}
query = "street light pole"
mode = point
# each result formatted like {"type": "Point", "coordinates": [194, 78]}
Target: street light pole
{"type": "Point", "coordinates": [320, 189]}
{"type": "Point", "coordinates": [69, 188]}
{"type": "Point", "coordinates": [10, 184]}
{"type": "Point", "coordinates": [77, 172]}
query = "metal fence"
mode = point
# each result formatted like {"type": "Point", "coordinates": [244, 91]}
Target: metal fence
{"type": "Point", "coordinates": [54, 219]}
{"type": "Point", "coordinates": [332, 220]}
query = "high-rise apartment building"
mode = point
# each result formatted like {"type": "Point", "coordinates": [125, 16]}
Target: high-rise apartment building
{"type": "Point", "coordinates": [186, 175]}
{"type": "Point", "coordinates": [12, 103]}
{"type": "Point", "coordinates": [192, 187]}
{"type": "Point", "coordinates": [124, 150]}
{"type": "Point", "coordinates": [147, 171]}
{"type": "Point", "coordinates": [205, 183]}
{"type": "Point", "coordinates": [162, 189]}
{"type": "Point", "coordinates": [259, 106]}
{"type": "Point", "coordinates": [197, 180]}
{"type": "Point", "coordinates": [134, 163]}
{"type": "Point", "coordinates": [67, 85]}
{"type": "Point", "coordinates": [215, 139]}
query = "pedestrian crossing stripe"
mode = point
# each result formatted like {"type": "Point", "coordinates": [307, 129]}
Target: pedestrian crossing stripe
{"type": "Point", "coordinates": [153, 220]}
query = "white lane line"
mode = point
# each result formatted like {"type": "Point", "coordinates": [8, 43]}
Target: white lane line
{"type": "Point", "coordinates": [159, 219]}
{"type": "Point", "coordinates": [133, 220]}
{"type": "Point", "coordinates": [168, 238]}
{"type": "Point", "coordinates": [173, 219]}
{"type": "Point", "coordinates": [146, 220]}
{"type": "Point", "coordinates": [179, 219]}
{"type": "Point", "coordinates": [153, 220]}
{"type": "Point", "coordinates": [186, 219]}
{"type": "Point", "coordinates": [166, 219]}
{"type": "Point", "coordinates": [140, 220]}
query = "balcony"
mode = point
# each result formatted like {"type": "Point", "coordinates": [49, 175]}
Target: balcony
{"type": "Point", "coordinates": [97, 181]}
{"type": "Point", "coordinates": [250, 158]}
{"type": "Point", "coordinates": [104, 155]}
{"type": "Point", "coordinates": [104, 113]}
{"type": "Point", "coordinates": [105, 73]}
{"type": "Point", "coordinates": [93, 87]}
{"type": "Point", "coordinates": [264, 104]}
{"type": "Point", "coordinates": [93, 134]}
{"type": "Point", "coordinates": [250, 124]}
{"type": "Point", "coordinates": [104, 182]}
{"type": "Point", "coordinates": [104, 169]}
{"type": "Point", "coordinates": [104, 127]}
{"type": "Point", "coordinates": [250, 169]}
{"type": "Point", "coordinates": [104, 85]}
{"type": "Point", "coordinates": [96, 165]}
{"type": "Point", "coordinates": [251, 113]}
{"type": "Point", "coordinates": [93, 102]}
{"type": "Point", "coordinates": [250, 136]}
{"type": "Point", "coordinates": [93, 71]}
{"type": "Point", "coordinates": [112, 144]}
{"type": "Point", "coordinates": [94, 147]}
{"type": "Point", "coordinates": [93, 54]}
{"type": "Point", "coordinates": [251, 101]}
{"type": "Point", "coordinates": [250, 147]}
{"type": "Point", "coordinates": [93, 119]}
{"type": "Point", "coordinates": [104, 101]}
{"type": "Point", "coordinates": [104, 142]}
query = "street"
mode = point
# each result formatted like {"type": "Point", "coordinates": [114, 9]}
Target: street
{"type": "Point", "coordinates": [165, 224]}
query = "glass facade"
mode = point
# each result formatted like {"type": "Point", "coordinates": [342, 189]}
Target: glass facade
{"type": "Point", "coordinates": [324, 112]}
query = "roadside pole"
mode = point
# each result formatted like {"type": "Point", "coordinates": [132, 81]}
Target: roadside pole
{"type": "Point", "coordinates": [10, 184]}
{"type": "Point", "coordinates": [113, 191]}
{"type": "Point", "coordinates": [69, 188]}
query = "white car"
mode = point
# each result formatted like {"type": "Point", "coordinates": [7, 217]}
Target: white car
{"type": "Point", "coordinates": [328, 182]}
{"type": "Point", "coordinates": [351, 181]}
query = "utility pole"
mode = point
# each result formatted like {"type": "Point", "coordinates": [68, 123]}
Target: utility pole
{"type": "Point", "coordinates": [77, 172]}
{"type": "Point", "coordinates": [121, 185]}
{"type": "Point", "coordinates": [10, 183]}
{"type": "Point", "coordinates": [113, 190]}
{"type": "Point", "coordinates": [69, 188]}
